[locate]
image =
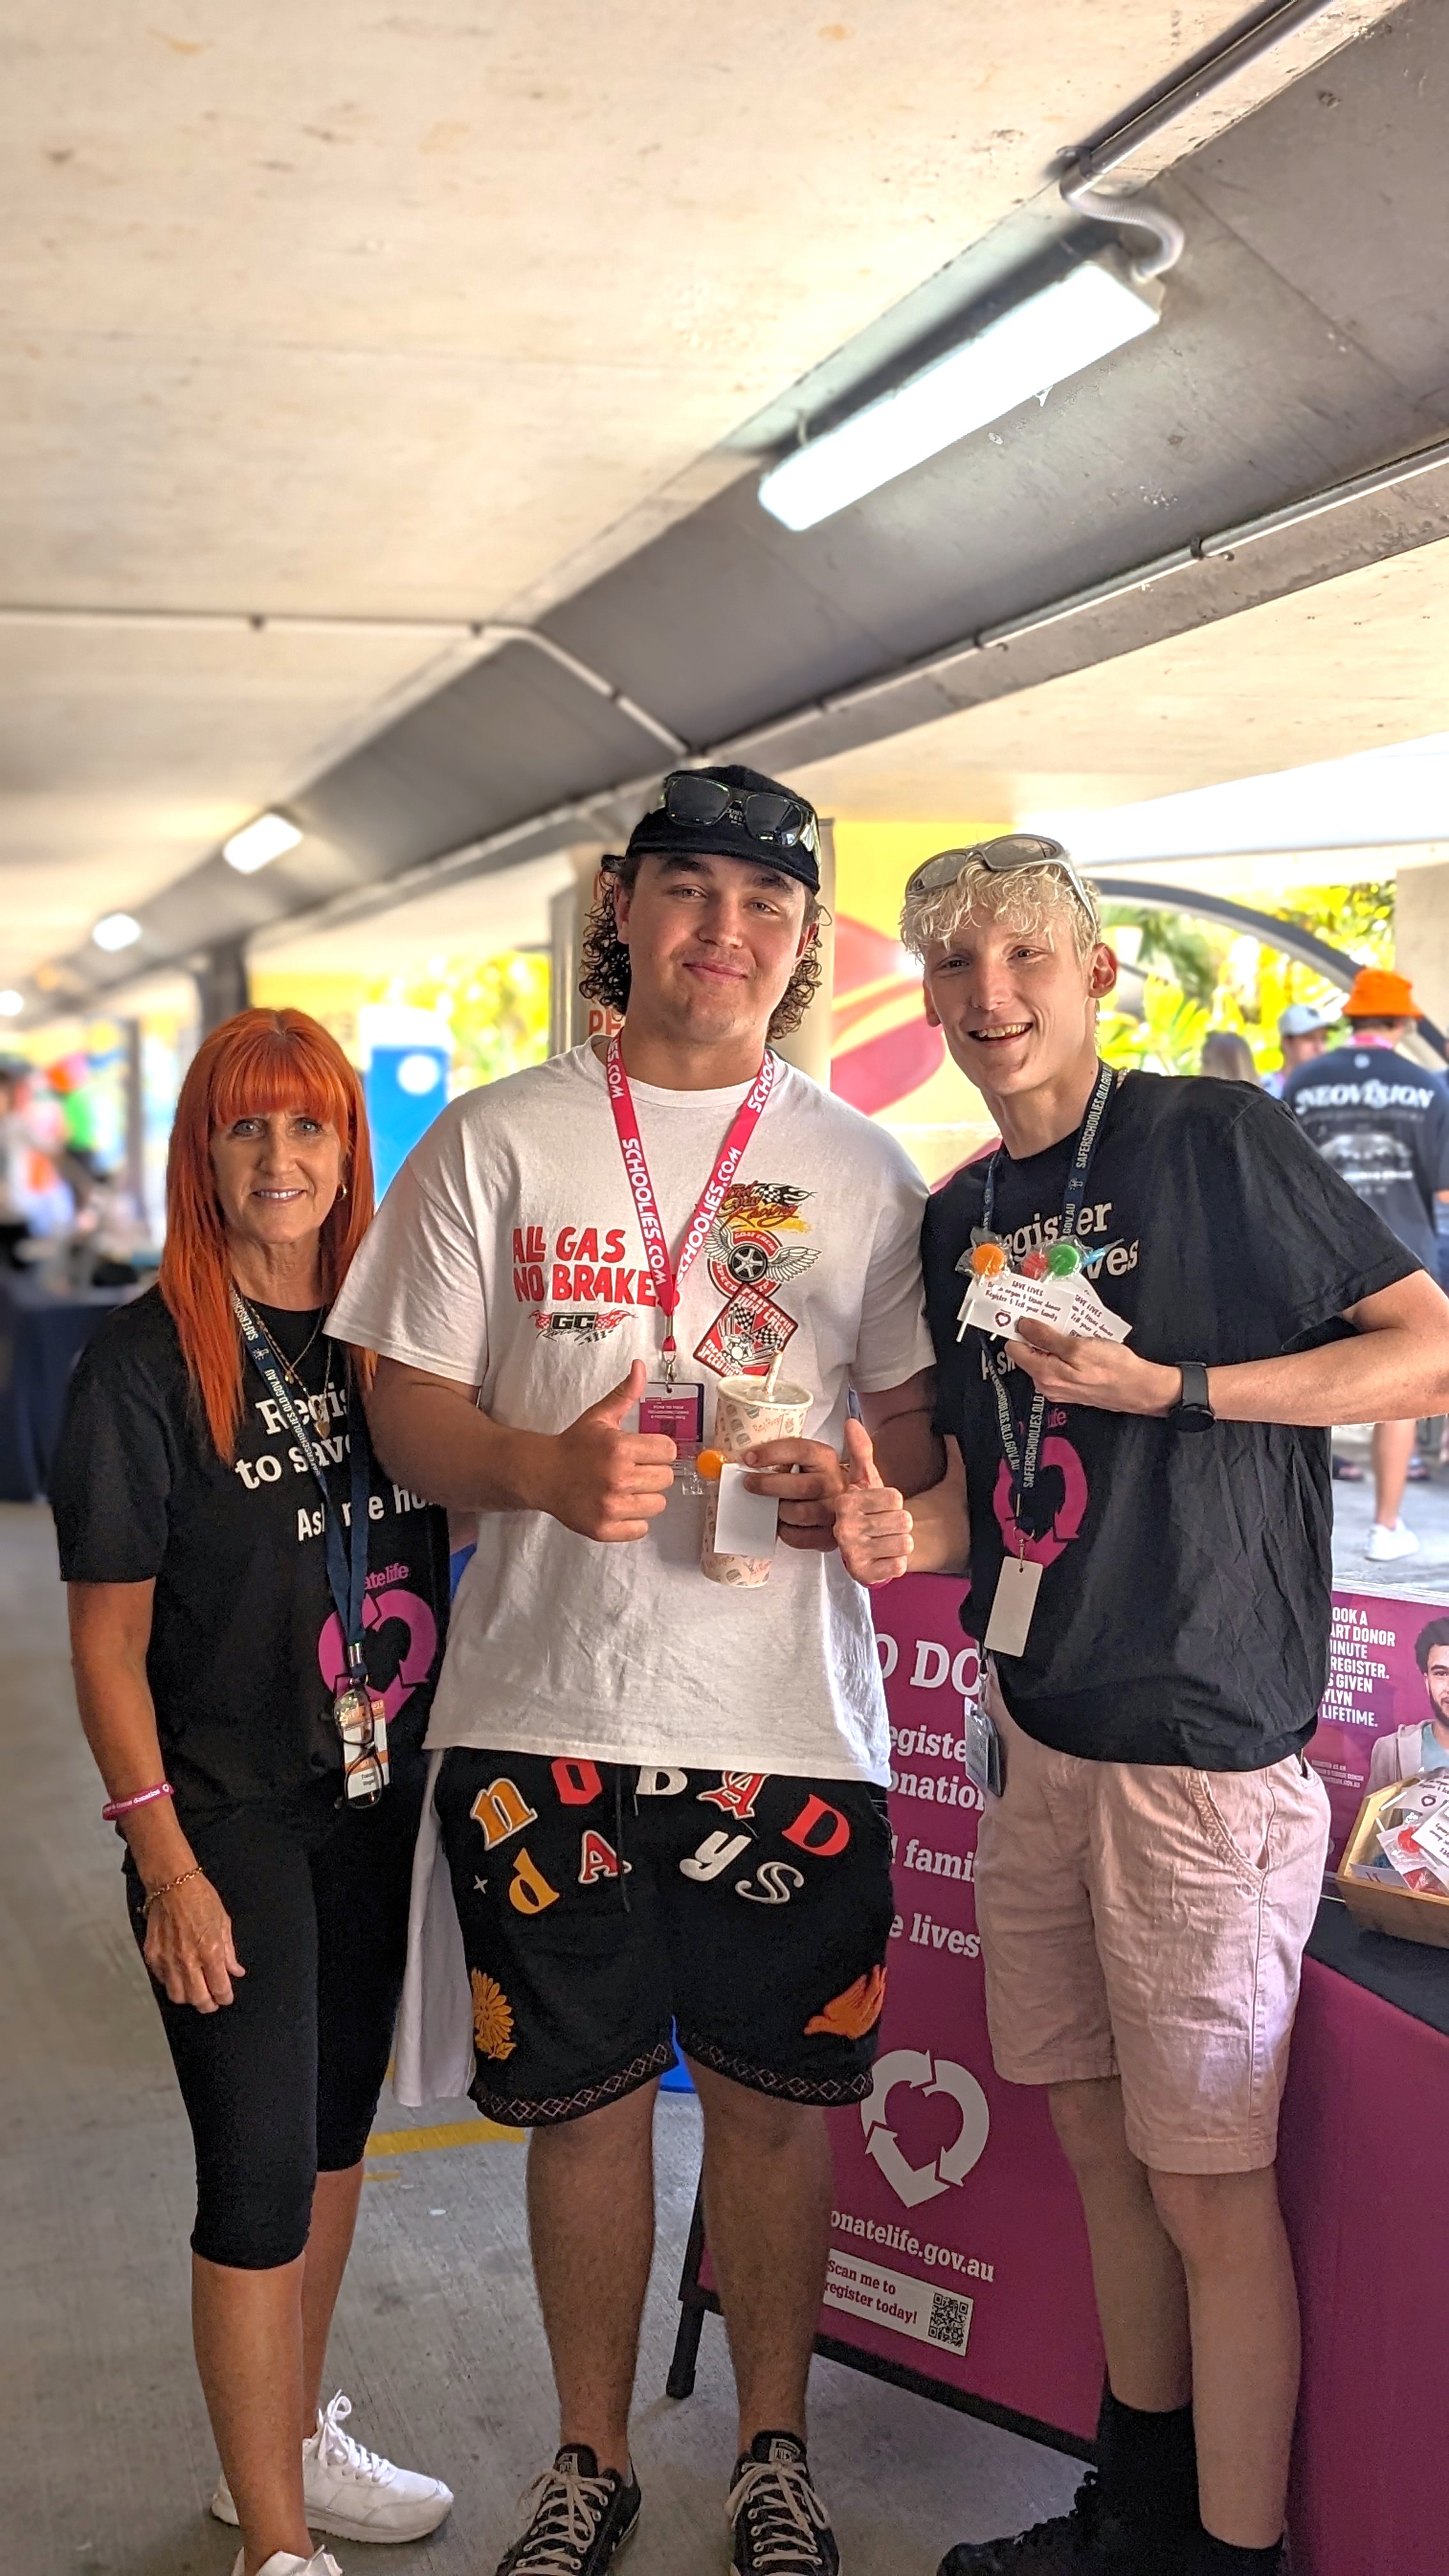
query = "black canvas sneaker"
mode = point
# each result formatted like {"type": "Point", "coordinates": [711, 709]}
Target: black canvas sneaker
{"type": "Point", "coordinates": [581, 2517]}
{"type": "Point", "coordinates": [781, 2526]}
{"type": "Point", "coordinates": [1088, 2541]}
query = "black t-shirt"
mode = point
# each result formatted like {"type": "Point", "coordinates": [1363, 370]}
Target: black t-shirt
{"type": "Point", "coordinates": [1383, 1123]}
{"type": "Point", "coordinates": [245, 1645]}
{"type": "Point", "coordinates": [1183, 1613]}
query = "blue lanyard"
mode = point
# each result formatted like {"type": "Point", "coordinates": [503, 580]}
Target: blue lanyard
{"type": "Point", "coordinates": [1022, 1452]}
{"type": "Point", "coordinates": [346, 1567]}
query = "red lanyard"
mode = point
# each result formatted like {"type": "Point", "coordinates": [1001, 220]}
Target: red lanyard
{"type": "Point", "coordinates": [669, 1278]}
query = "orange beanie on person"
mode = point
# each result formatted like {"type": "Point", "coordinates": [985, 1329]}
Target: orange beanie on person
{"type": "Point", "coordinates": [1379, 994]}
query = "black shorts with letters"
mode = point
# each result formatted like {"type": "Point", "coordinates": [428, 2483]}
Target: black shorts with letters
{"type": "Point", "coordinates": [602, 1905]}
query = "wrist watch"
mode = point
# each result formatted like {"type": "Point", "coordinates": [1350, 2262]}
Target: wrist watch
{"type": "Point", "coordinates": [1192, 1411]}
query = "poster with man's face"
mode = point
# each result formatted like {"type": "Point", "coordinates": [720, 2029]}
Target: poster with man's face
{"type": "Point", "coordinates": [1388, 1688]}
{"type": "Point", "coordinates": [1434, 1652]}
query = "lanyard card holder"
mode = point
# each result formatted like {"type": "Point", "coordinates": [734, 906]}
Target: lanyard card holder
{"type": "Point", "coordinates": [674, 1406]}
{"type": "Point", "coordinates": [985, 1759]}
{"type": "Point", "coordinates": [360, 1716]}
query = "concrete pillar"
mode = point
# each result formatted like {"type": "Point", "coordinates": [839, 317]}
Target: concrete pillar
{"type": "Point", "coordinates": [134, 1094]}
{"type": "Point", "coordinates": [809, 1048]}
{"type": "Point", "coordinates": [570, 1018]}
{"type": "Point", "coordinates": [1421, 937]}
{"type": "Point", "coordinates": [221, 984]}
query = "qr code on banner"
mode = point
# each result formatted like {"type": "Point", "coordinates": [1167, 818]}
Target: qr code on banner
{"type": "Point", "coordinates": [949, 2320]}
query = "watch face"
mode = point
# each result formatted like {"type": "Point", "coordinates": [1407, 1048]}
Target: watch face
{"type": "Point", "coordinates": [1192, 1409]}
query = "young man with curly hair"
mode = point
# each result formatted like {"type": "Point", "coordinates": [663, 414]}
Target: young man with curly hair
{"type": "Point", "coordinates": [661, 1802]}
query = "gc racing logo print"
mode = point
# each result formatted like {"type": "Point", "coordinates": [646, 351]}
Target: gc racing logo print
{"type": "Point", "coordinates": [583, 1324]}
{"type": "Point", "coordinates": [749, 1258]}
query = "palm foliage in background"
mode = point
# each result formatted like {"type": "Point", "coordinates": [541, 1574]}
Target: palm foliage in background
{"type": "Point", "coordinates": [1196, 977]}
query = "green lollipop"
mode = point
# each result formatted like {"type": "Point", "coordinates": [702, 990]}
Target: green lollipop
{"type": "Point", "coordinates": [1063, 1259]}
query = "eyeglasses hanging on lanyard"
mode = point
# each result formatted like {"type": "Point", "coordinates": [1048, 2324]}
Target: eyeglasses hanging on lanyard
{"type": "Point", "coordinates": [358, 1711]}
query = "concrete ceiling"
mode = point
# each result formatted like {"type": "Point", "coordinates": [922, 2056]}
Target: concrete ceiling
{"type": "Point", "coordinates": [426, 312]}
{"type": "Point", "coordinates": [123, 754]}
{"type": "Point", "coordinates": [1340, 667]}
{"type": "Point", "coordinates": [479, 918]}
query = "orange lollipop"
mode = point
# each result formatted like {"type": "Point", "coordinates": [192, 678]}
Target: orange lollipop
{"type": "Point", "coordinates": [987, 1259]}
{"type": "Point", "coordinates": [709, 1464]}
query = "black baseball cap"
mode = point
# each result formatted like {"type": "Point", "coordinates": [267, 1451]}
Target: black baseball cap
{"type": "Point", "coordinates": [732, 813]}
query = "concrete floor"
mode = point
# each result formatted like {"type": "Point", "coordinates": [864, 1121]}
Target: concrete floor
{"type": "Point", "coordinates": [1426, 1509]}
{"type": "Point", "coordinates": [106, 2461]}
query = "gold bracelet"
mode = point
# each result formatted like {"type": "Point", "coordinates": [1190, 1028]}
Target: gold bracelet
{"type": "Point", "coordinates": [172, 1884]}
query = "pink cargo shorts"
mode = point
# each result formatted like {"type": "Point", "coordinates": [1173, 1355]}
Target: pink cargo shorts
{"type": "Point", "coordinates": [1148, 1921]}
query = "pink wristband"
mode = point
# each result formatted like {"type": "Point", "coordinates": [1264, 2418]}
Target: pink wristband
{"type": "Point", "coordinates": [142, 1798]}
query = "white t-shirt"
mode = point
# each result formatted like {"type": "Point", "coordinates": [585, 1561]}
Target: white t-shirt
{"type": "Point", "coordinates": [507, 1255]}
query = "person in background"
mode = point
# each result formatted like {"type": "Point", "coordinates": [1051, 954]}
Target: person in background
{"type": "Point", "coordinates": [218, 1512]}
{"type": "Point", "coordinates": [1227, 1057]}
{"type": "Point", "coordinates": [1382, 1120]}
{"type": "Point", "coordinates": [1147, 1535]}
{"type": "Point", "coordinates": [1410, 1751]}
{"type": "Point", "coordinates": [72, 1085]}
{"type": "Point", "coordinates": [1302, 1035]}
{"type": "Point", "coordinates": [14, 1152]}
{"type": "Point", "coordinates": [34, 1200]}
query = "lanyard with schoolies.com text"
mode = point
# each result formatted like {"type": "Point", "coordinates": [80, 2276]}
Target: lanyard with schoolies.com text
{"type": "Point", "coordinates": [669, 1277]}
{"type": "Point", "coordinates": [1022, 1453]}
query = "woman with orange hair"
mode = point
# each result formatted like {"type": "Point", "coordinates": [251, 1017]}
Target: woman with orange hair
{"type": "Point", "coordinates": [256, 1622]}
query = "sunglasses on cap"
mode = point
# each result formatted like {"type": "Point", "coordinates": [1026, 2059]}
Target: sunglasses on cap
{"type": "Point", "coordinates": [765, 813]}
{"type": "Point", "coordinates": [1003, 856]}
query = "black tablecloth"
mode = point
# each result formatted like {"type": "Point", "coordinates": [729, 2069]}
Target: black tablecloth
{"type": "Point", "coordinates": [1406, 1973]}
{"type": "Point", "coordinates": [41, 1337]}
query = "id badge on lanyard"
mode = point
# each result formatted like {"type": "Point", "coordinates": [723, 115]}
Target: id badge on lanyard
{"type": "Point", "coordinates": [670, 1404]}
{"type": "Point", "coordinates": [985, 1758]}
{"type": "Point", "coordinates": [358, 1712]}
{"type": "Point", "coordinates": [1019, 1581]}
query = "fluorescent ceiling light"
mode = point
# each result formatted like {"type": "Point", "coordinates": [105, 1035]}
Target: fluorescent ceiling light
{"type": "Point", "coordinates": [11, 1002]}
{"type": "Point", "coordinates": [1036, 345]}
{"type": "Point", "coordinates": [258, 843]}
{"type": "Point", "coordinates": [116, 930]}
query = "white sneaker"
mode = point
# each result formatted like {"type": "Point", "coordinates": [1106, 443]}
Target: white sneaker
{"type": "Point", "coordinates": [352, 2492]}
{"type": "Point", "coordinates": [283, 2563]}
{"type": "Point", "coordinates": [1385, 1544]}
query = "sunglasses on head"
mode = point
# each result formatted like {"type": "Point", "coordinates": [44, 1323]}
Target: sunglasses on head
{"type": "Point", "coordinates": [766, 813]}
{"type": "Point", "coordinates": [1011, 850]}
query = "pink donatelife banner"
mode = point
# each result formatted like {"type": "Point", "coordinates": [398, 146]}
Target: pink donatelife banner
{"type": "Point", "coordinates": [958, 2250]}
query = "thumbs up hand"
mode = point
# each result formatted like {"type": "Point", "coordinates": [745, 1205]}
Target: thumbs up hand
{"type": "Point", "coordinates": [603, 1481]}
{"type": "Point", "coordinates": [872, 1524]}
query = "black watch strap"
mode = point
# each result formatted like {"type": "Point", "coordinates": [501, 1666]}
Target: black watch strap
{"type": "Point", "coordinates": [1192, 1411]}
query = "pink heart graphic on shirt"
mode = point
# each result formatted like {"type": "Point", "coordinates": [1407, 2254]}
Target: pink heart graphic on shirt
{"type": "Point", "coordinates": [378, 1610]}
{"type": "Point", "coordinates": [1066, 1520]}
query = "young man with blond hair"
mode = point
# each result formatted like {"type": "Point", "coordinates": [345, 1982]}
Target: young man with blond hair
{"type": "Point", "coordinates": [1146, 1525]}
